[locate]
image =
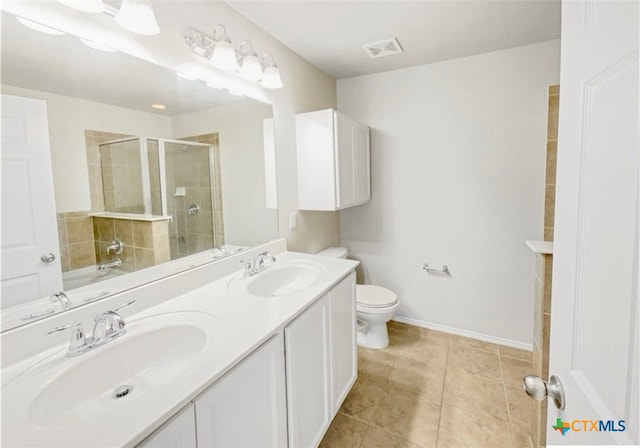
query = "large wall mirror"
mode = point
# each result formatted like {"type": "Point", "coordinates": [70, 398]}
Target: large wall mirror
{"type": "Point", "coordinates": [149, 168]}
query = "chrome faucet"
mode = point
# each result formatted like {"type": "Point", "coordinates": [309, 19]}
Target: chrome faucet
{"type": "Point", "coordinates": [108, 326]}
{"type": "Point", "coordinates": [62, 299]}
{"type": "Point", "coordinates": [116, 247]}
{"type": "Point", "coordinates": [256, 265]}
{"type": "Point", "coordinates": [112, 264]}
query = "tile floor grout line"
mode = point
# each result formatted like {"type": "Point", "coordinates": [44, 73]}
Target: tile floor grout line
{"type": "Point", "coordinates": [444, 382]}
{"type": "Point", "coordinates": [506, 400]}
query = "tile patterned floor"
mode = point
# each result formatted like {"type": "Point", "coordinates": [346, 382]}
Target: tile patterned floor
{"type": "Point", "coordinates": [434, 390]}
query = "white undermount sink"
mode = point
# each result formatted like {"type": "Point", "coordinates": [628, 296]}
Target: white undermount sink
{"type": "Point", "coordinates": [279, 279]}
{"type": "Point", "coordinates": [154, 351]}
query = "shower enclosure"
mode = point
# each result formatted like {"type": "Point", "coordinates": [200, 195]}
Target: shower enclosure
{"type": "Point", "coordinates": [173, 178]}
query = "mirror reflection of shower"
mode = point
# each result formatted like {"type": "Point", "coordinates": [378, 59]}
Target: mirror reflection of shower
{"type": "Point", "coordinates": [161, 177]}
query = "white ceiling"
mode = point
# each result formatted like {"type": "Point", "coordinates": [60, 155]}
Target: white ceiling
{"type": "Point", "coordinates": [330, 34]}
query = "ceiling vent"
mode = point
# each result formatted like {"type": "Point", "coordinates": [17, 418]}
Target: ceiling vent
{"type": "Point", "coordinates": [383, 48]}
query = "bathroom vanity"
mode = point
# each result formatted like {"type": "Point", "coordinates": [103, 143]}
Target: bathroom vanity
{"type": "Point", "coordinates": [210, 357]}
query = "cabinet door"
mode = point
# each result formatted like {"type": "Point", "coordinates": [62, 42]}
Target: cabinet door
{"type": "Point", "coordinates": [345, 161]}
{"type": "Point", "coordinates": [308, 380]}
{"type": "Point", "coordinates": [344, 367]}
{"type": "Point", "coordinates": [362, 163]}
{"type": "Point", "coordinates": [315, 149]}
{"type": "Point", "coordinates": [247, 406]}
{"type": "Point", "coordinates": [180, 431]}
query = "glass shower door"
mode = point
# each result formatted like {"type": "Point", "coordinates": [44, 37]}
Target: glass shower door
{"type": "Point", "coordinates": [122, 180]}
{"type": "Point", "coordinates": [189, 199]}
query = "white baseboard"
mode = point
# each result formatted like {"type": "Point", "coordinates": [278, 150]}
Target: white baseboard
{"type": "Point", "coordinates": [466, 333]}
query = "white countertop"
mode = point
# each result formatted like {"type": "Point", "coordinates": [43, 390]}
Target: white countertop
{"type": "Point", "coordinates": [245, 322]}
{"type": "Point", "coordinates": [540, 247]}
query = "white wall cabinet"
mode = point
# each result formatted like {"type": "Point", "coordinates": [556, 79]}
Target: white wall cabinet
{"type": "Point", "coordinates": [180, 431]}
{"type": "Point", "coordinates": [334, 170]}
{"type": "Point", "coordinates": [321, 363]}
{"type": "Point", "coordinates": [247, 406]}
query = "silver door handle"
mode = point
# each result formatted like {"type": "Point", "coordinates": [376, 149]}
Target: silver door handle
{"type": "Point", "coordinates": [539, 389]}
{"type": "Point", "coordinates": [47, 258]}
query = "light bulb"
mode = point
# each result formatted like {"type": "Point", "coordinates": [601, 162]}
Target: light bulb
{"type": "Point", "coordinates": [251, 68]}
{"type": "Point", "coordinates": [224, 56]}
{"type": "Point", "coordinates": [271, 79]}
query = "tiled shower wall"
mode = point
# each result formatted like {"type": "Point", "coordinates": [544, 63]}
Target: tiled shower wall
{"type": "Point", "coordinates": [81, 245]}
{"type": "Point", "coordinates": [552, 151]}
{"type": "Point", "coordinates": [75, 235]}
{"type": "Point", "coordinates": [145, 243]}
{"type": "Point", "coordinates": [122, 177]}
{"type": "Point", "coordinates": [75, 229]}
{"type": "Point", "coordinates": [543, 278]}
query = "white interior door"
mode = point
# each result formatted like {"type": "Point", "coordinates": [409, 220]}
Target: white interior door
{"type": "Point", "coordinates": [29, 249]}
{"type": "Point", "coordinates": [594, 324]}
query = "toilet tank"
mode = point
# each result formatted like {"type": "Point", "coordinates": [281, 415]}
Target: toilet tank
{"type": "Point", "coordinates": [335, 252]}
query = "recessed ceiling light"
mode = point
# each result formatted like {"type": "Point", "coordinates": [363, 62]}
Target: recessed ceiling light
{"type": "Point", "coordinates": [39, 27]}
{"type": "Point", "coordinates": [159, 106]}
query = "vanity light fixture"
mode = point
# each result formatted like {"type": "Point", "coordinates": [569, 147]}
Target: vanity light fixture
{"type": "Point", "coordinates": [251, 68]}
{"type": "Point", "coordinates": [92, 6]}
{"type": "Point", "coordinates": [271, 79]}
{"type": "Point", "coordinates": [137, 16]}
{"type": "Point", "coordinates": [219, 50]}
{"type": "Point", "coordinates": [224, 55]}
{"type": "Point", "coordinates": [159, 106]}
{"type": "Point", "coordinates": [39, 27]}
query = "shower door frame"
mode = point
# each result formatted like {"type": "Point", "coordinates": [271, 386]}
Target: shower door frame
{"type": "Point", "coordinates": [143, 151]}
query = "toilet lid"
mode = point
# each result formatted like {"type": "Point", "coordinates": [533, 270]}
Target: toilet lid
{"type": "Point", "coordinates": [375, 296]}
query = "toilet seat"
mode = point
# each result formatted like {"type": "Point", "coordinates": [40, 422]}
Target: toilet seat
{"type": "Point", "coordinates": [372, 296]}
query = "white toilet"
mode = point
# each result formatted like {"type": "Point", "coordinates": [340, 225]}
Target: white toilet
{"type": "Point", "coordinates": [375, 306]}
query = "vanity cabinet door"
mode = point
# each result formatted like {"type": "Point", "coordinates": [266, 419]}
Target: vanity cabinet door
{"type": "Point", "coordinates": [247, 406]}
{"type": "Point", "coordinates": [308, 376]}
{"type": "Point", "coordinates": [180, 431]}
{"type": "Point", "coordinates": [344, 367]}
